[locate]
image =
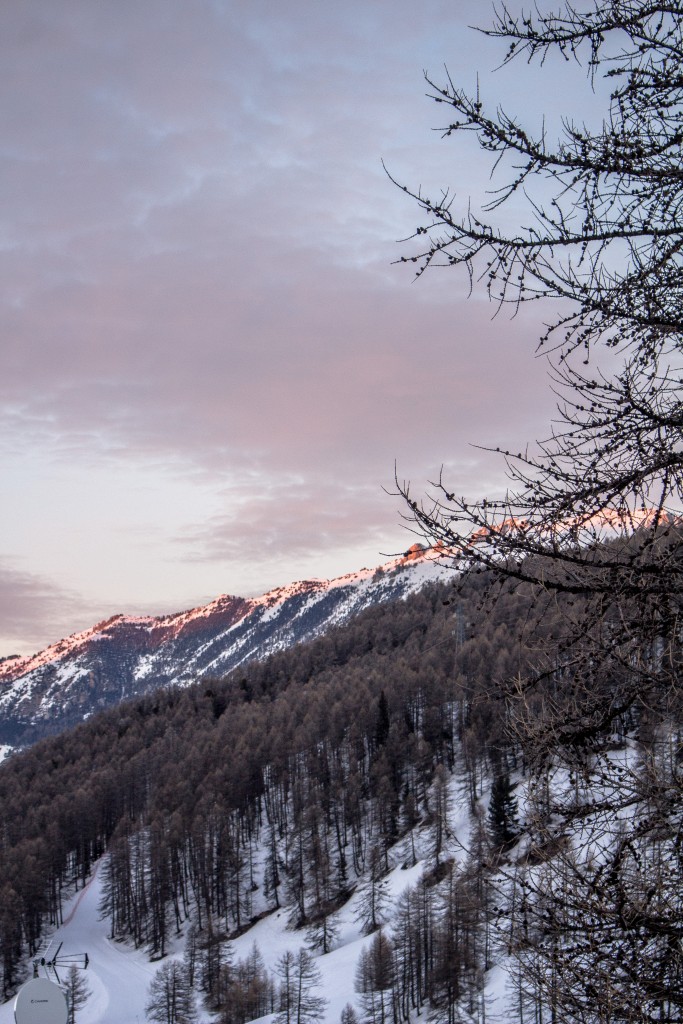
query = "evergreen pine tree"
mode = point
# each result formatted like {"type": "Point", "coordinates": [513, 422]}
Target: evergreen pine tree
{"type": "Point", "coordinates": [502, 817]}
{"type": "Point", "coordinates": [383, 721]}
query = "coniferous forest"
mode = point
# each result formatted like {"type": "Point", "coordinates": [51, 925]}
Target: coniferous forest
{"type": "Point", "coordinates": [321, 757]}
{"type": "Point", "coordinates": [540, 692]}
{"type": "Point", "coordinates": [294, 783]}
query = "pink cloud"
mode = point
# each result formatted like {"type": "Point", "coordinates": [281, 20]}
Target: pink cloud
{"type": "Point", "coordinates": [196, 251]}
{"type": "Point", "coordinates": [33, 607]}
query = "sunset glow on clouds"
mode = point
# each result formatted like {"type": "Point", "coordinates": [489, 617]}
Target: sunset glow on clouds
{"type": "Point", "coordinates": [209, 361]}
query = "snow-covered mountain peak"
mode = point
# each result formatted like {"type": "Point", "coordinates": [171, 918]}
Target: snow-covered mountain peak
{"type": "Point", "coordinates": [10, 668]}
{"type": "Point", "coordinates": [125, 655]}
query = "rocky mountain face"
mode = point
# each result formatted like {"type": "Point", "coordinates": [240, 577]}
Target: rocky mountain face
{"type": "Point", "coordinates": [129, 655]}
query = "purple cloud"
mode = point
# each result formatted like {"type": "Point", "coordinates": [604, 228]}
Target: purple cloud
{"type": "Point", "coordinates": [33, 607]}
{"type": "Point", "coordinates": [196, 246]}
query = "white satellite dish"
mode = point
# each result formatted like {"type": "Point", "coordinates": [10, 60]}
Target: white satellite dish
{"type": "Point", "coordinates": [40, 1001]}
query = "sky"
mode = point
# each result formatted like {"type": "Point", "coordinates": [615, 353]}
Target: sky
{"type": "Point", "coordinates": [210, 360]}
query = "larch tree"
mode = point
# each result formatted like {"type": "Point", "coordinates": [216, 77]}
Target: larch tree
{"type": "Point", "coordinates": [299, 977]}
{"type": "Point", "coordinates": [77, 992]}
{"type": "Point", "coordinates": [605, 242]}
{"type": "Point", "coordinates": [587, 221]}
{"type": "Point", "coordinates": [348, 1015]}
{"type": "Point", "coordinates": [375, 980]}
{"type": "Point", "coordinates": [170, 996]}
{"type": "Point", "coordinates": [373, 898]}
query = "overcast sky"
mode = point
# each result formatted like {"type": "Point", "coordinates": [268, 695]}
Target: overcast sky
{"type": "Point", "coordinates": [209, 361]}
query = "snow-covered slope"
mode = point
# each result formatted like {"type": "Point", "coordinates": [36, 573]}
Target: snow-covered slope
{"type": "Point", "coordinates": [119, 976]}
{"type": "Point", "coordinates": [128, 655]}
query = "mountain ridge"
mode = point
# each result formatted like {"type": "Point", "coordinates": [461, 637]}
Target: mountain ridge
{"type": "Point", "coordinates": [126, 655]}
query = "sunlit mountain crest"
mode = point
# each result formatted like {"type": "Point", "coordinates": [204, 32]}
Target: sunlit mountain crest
{"type": "Point", "coordinates": [604, 525]}
{"type": "Point", "coordinates": [126, 655]}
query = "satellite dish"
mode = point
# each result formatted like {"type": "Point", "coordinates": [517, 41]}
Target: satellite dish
{"type": "Point", "coordinates": [40, 1001]}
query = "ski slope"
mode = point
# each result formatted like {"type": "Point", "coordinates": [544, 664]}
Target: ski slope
{"type": "Point", "coordinates": [119, 976]}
